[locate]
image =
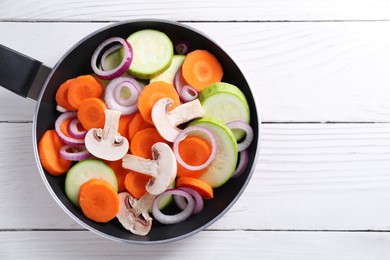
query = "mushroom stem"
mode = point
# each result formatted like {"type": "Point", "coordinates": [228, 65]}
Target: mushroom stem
{"type": "Point", "coordinates": [186, 112]}
{"type": "Point", "coordinates": [111, 125]}
{"type": "Point", "coordinates": [143, 204]}
{"type": "Point", "coordinates": [139, 164]}
{"type": "Point", "coordinates": [162, 168]}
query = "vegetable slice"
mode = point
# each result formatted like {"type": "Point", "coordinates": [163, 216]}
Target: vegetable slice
{"type": "Point", "coordinates": [225, 102]}
{"type": "Point", "coordinates": [62, 95]}
{"type": "Point", "coordinates": [203, 188]}
{"type": "Point", "coordinates": [179, 217]}
{"type": "Point", "coordinates": [194, 151]}
{"type": "Point", "coordinates": [169, 74]}
{"type": "Point", "coordinates": [142, 142]}
{"type": "Point", "coordinates": [98, 200]}
{"type": "Point", "coordinates": [83, 87]}
{"type": "Point", "coordinates": [201, 68]}
{"type": "Point", "coordinates": [224, 163]}
{"type": "Point", "coordinates": [121, 68]}
{"type": "Point", "coordinates": [91, 113]}
{"type": "Point", "coordinates": [151, 94]}
{"type": "Point", "coordinates": [49, 154]}
{"type": "Point", "coordinates": [153, 52]}
{"type": "Point", "coordinates": [82, 172]}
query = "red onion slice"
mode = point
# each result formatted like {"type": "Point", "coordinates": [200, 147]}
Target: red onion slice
{"type": "Point", "coordinates": [74, 130]}
{"type": "Point", "coordinates": [74, 152]}
{"type": "Point", "coordinates": [238, 124]}
{"type": "Point", "coordinates": [243, 162]}
{"type": "Point", "coordinates": [63, 137]}
{"type": "Point", "coordinates": [182, 47]}
{"type": "Point", "coordinates": [176, 218]}
{"type": "Point", "coordinates": [183, 134]}
{"type": "Point", "coordinates": [61, 109]}
{"type": "Point", "coordinates": [178, 81]}
{"type": "Point", "coordinates": [182, 203]}
{"type": "Point", "coordinates": [188, 93]}
{"type": "Point", "coordinates": [111, 50]}
{"type": "Point", "coordinates": [109, 94]}
{"type": "Point", "coordinates": [132, 99]}
{"type": "Point", "coordinates": [121, 68]}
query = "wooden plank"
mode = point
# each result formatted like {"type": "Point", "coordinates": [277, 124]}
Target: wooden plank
{"type": "Point", "coordinates": [100, 10]}
{"type": "Point", "coordinates": [322, 176]}
{"type": "Point", "coordinates": [299, 72]}
{"type": "Point", "coordinates": [205, 245]}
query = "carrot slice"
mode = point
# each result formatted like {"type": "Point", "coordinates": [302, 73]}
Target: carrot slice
{"type": "Point", "coordinates": [98, 200]}
{"type": "Point", "coordinates": [142, 142]}
{"type": "Point", "coordinates": [83, 87]}
{"type": "Point", "coordinates": [135, 183]}
{"type": "Point", "coordinates": [201, 68]}
{"type": "Point", "coordinates": [91, 113]}
{"type": "Point", "coordinates": [62, 95]}
{"type": "Point", "coordinates": [137, 124]}
{"type": "Point", "coordinates": [204, 189]}
{"type": "Point", "coordinates": [64, 127]}
{"type": "Point", "coordinates": [194, 151]}
{"type": "Point", "coordinates": [120, 173]}
{"type": "Point", "coordinates": [49, 154]}
{"type": "Point", "coordinates": [153, 92]}
{"type": "Point", "coordinates": [124, 122]}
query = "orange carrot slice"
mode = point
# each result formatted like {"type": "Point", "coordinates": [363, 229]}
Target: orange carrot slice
{"type": "Point", "coordinates": [120, 173]}
{"type": "Point", "coordinates": [98, 200]}
{"type": "Point", "coordinates": [142, 142]}
{"type": "Point", "coordinates": [83, 87]}
{"type": "Point", "coordinates": [201, 68]}
{"type": "Point", "coordinates": [151, 94]}
{"type": "Point", "coordinates": [49, 154]}
{"type": "Point", "coordinates": [137, 124]}
{"type": "Point", "coordinates": [204, 189]}
{"type": "Point", "coordinates": [194, 151]}
{"type": "Point", "coordinates": [62, 95]}
{"type": "Point", "coordinates": [64, 127]}
{"type": "Point", "coordinates": [91, 113]}
{"type": "Point", "coordinates": [123, 127]}
{"type": "Point", "coordinates": [135, 183]}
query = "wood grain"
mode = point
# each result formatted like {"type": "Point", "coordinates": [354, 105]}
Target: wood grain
{"type": "Point", "coordinates": [322, 176]}
{"type": "Point", "coordinates": [205, 245]}
{"type": "Point", "coordinates": [201, 10]}
{"type": "Point", "coordinates": [299, 72]}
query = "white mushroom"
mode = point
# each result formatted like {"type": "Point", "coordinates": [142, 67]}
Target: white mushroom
{"type": "Point", "coordinates": [166, 121]}
{"type": "Point", "coordinates": [132, 215]}
{"type": "Point", "coordinates": [162, 168]}
{"type": "Point", "coordinates": [107, 143]}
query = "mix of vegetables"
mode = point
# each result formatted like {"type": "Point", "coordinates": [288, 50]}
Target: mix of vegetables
{"type": "Point", "coordinates": [153, 125]}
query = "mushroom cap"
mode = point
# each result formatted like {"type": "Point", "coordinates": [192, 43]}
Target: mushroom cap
{"type": "Point", "coordinates": [162, 121]}
{"type": "Point", "coordinates": [166, 122]}
{"type": "Point", "coordinates": [167, 168]}
{"type": "Point", "coordinates": [104, 148]}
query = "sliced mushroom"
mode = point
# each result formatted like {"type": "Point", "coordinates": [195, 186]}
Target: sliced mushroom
{"type": "Point", "coordinates": [162, 168]}
{"type": "Point", "coordinates": [132, 214]}
{"type": "Point", "coordinates": [107, 143]}
{"type": "Point", "coordinates": [166, 121]}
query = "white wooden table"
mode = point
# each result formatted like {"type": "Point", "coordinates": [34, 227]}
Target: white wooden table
{"type": "Point", "coordinates": [321, 74]}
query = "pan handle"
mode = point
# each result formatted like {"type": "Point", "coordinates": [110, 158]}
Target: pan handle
{"type": "Point", "coordinates": [22, 74]}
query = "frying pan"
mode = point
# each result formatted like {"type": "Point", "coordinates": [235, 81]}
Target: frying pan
{"type": "Point", "coordinates": [38, 82]}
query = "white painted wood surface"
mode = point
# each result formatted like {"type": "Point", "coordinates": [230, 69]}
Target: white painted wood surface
{"type": "Point", "coordinates": [320, 190]}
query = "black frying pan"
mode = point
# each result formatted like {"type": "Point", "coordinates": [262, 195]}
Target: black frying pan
{"type": "Point", "coordinates": [35, 81]}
